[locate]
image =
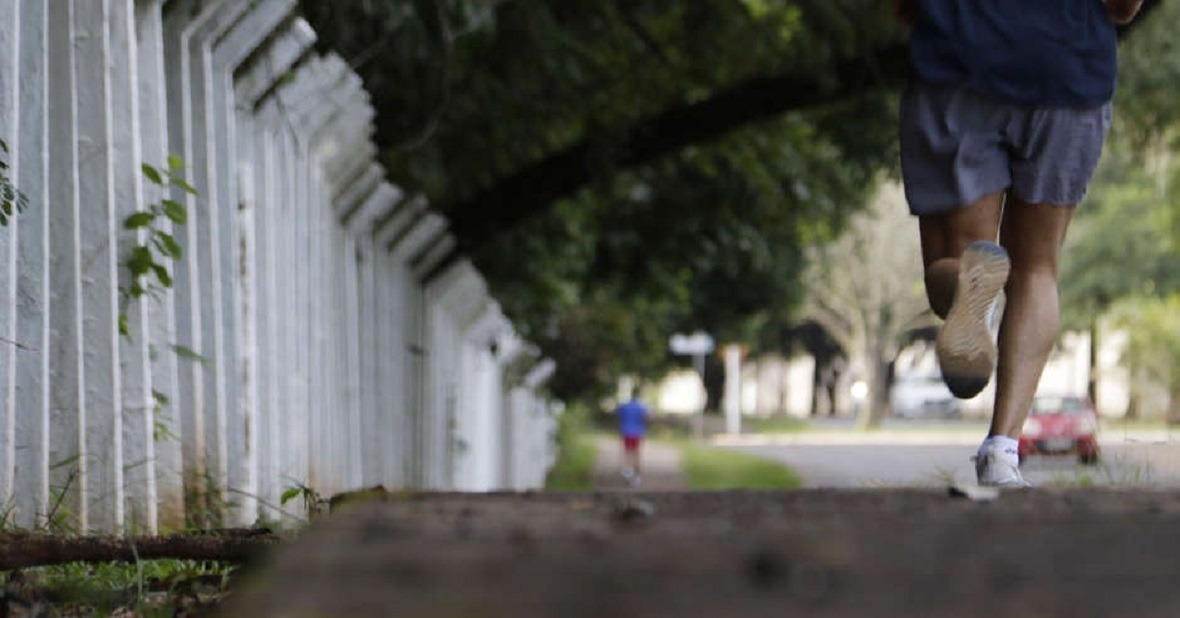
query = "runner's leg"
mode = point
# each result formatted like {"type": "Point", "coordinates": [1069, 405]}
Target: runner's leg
{"type": "Point", "coordinates": [945, 236]}
{"type": "Point", "coordinates": [1032, 234]}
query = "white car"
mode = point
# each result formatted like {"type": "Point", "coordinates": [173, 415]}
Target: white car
{"type": "Point", "coordinates": [923, 396]}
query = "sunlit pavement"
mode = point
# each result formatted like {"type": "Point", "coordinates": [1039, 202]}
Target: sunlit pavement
{"type": "Point", "coordinates": [934, 454]}
{"type": "Point", "coordinates": [892, 431]}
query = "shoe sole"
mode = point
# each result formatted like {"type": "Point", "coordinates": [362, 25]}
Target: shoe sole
{"type": "Point", "coordinates": [966, 352]}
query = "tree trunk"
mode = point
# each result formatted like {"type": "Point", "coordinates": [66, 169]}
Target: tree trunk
{"type": "Point", "coordinates": [25, 549]}
{"type": "Point", "coordinates": [1133, 387]}
{"type": "Point", "coordinates": [876, 402]}
{"type": "Point", "coordinates": [1174, 406]}
{"type": "Point", "coordinates": [1092, 384]}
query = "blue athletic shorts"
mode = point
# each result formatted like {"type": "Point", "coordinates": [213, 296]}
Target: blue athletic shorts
{"type": "Point", "coordinates": [958, 146]}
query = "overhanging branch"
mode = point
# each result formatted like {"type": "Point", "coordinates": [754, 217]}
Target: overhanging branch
{"type": "Point", "coordinates": [532, 190]}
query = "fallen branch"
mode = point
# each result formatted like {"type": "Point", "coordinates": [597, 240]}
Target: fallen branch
{"type": "Point", "coordinates": [27, 549]}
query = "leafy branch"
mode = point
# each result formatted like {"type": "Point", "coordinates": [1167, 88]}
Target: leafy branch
{"type": "Point", "coordinates": [161, 423]}
{"type": "Point", "coordinates": [12, 200]}
{"type": "Point", "coordinates": [147, 261]}
{"type": "Point", "coordinates": [315, 503]}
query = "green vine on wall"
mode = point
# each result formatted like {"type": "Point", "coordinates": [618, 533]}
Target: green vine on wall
{"type": "Point", "coordinates": [147, 262]}
{"type": "Point", "coordinates": [12, 200]}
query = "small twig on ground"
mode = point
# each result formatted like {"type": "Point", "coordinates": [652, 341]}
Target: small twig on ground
{"type": "Point", "coordinates": [18, 345]}
{"type": "Point", "coordinates": [61, 496]}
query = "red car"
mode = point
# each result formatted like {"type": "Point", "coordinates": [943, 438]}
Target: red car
{"type": "Point", "coordinates": [1061, 425]}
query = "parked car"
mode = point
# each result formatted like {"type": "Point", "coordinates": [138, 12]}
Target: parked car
{"type": "Point", "coordinates": [1061, 425]}
{"type": "Point", "coordinates": [923, 396]}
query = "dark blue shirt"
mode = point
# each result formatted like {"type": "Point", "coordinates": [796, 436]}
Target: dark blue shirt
{"type": "Point", "coordinates": [1030, 52]}
{"type": "Point", "coordinates": [632, 419]}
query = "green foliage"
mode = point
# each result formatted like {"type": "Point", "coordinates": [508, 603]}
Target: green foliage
{"type": "Point", "coordinates": [12, 200]}
{"type": "Point", "coordinates": [147, 261]}
{"type": "Point", "coordinates": [1120, 244]}
{"type": "Point", "coordinates": [188, 354]}
{"type": "Point", "coordinates": [1153, 346]}
{"type": "Point", "coordinates": [206, 502]}
{"type": "Point", "coordinates": [314, 503]}
{"type": "Point", "coordinates": [709, 237]}
{"type": "Point", "coordinates": [1149, 69]}
{"type": "Point", "coordinates": [1147, 112]}
{"type": "Point", "coordinates": [499, 85]}
{"type": "Point", "coordinates": [714, 468]}
{"type": "Point", "coordinates": [776, 424]}
{"type": "Point", "coordinates": [162, 430]}
{"type": "Point", "coordinates": [163, 587]}
{"type": "Point", "coordinates": [574, 468]}
{"type": "Point", "coordinates": [147, 264]}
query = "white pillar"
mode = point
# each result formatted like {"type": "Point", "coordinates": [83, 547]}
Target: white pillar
{"type": "Point", "coordinates": [374, 445]}
{"type": "Point", "coordinates": [189, 401]}
{"type": "Point", "coordinates": [394, 364]}
{"type": "Point", "coordinates": [269, 313]}
{"type": "Point", "coordinates": [303, 377]}
{"type": "Point", "coordinates": [205, 235]}
{"type": "Point", "coordinates": [733, 388]}
{"type": "Point", "coordinates": [138, 404]}
{"type": "Point", "coordinates": [364, 381]}
{"type": "Point", "coordinates": [9, 121]}
{"type": "Point", "coordinates": [245, 26]}
{"type": "Point", "coordinates": [30, 168]}
{"type": "Point", "coordinates": [161, 319]}
{"type": "Point", "coordinates": [65, 307]}
{"type": "Point", "coordinates": [102, 463]}
{"type": "Point", "coordinates": [249, 423]}
{"type": "Point", "coordinates": [271, 217]}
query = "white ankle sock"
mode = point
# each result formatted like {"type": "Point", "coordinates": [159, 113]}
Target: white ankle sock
{"type": "Point", "coordinates": [1009, 447]}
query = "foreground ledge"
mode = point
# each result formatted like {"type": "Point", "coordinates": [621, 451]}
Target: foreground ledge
{"type": "Point", "coordinates": [1045, 552]}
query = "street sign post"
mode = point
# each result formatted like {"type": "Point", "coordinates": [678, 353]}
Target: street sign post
{"type": "Point", "coordinates": [696, 345]}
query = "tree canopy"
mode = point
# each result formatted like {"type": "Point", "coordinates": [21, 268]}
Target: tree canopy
{"type": "Point", "coordinates": [1123, 250]}
{"type": "Point", "coordinates": [623, 170]}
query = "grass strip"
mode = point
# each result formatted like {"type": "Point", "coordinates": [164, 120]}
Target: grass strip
{"type": "Point", "coordinates": [717, 468]}
{"type": "Point", "coordinates": [574, 469]}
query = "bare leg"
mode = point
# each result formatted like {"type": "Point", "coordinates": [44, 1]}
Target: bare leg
{"type": "Point", "coordinates": [1032, 234]}
{"type": "Point", "coordinates": [626, 468]}
{"type": "Point", "coordinates": [945, 236]}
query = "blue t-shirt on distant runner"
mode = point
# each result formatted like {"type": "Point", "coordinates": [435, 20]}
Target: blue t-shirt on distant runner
{"type": "Point", "coordinates": [632, 419]}
{"type": "Point", "coordinates": [1056, 53]}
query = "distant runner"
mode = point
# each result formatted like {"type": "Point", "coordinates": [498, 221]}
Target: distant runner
{"type": "Point", "coordinates": [633, 428]}
{"type": "Point", "coordinates": [1002, 125]}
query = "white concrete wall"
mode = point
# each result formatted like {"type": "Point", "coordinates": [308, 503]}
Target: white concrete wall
{"type": "Point", "coordinates": [337, 350]}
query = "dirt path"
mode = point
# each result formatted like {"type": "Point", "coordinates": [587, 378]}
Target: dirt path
{"type": "Point", "coordinates": [661, 465]}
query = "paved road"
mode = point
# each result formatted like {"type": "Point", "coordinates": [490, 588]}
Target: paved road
{"type": "Point", "coordinates": [931, 459]}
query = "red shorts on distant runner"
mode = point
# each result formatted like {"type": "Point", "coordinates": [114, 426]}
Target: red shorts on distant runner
{"type": "Point", "coordinates": [631, 443]}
